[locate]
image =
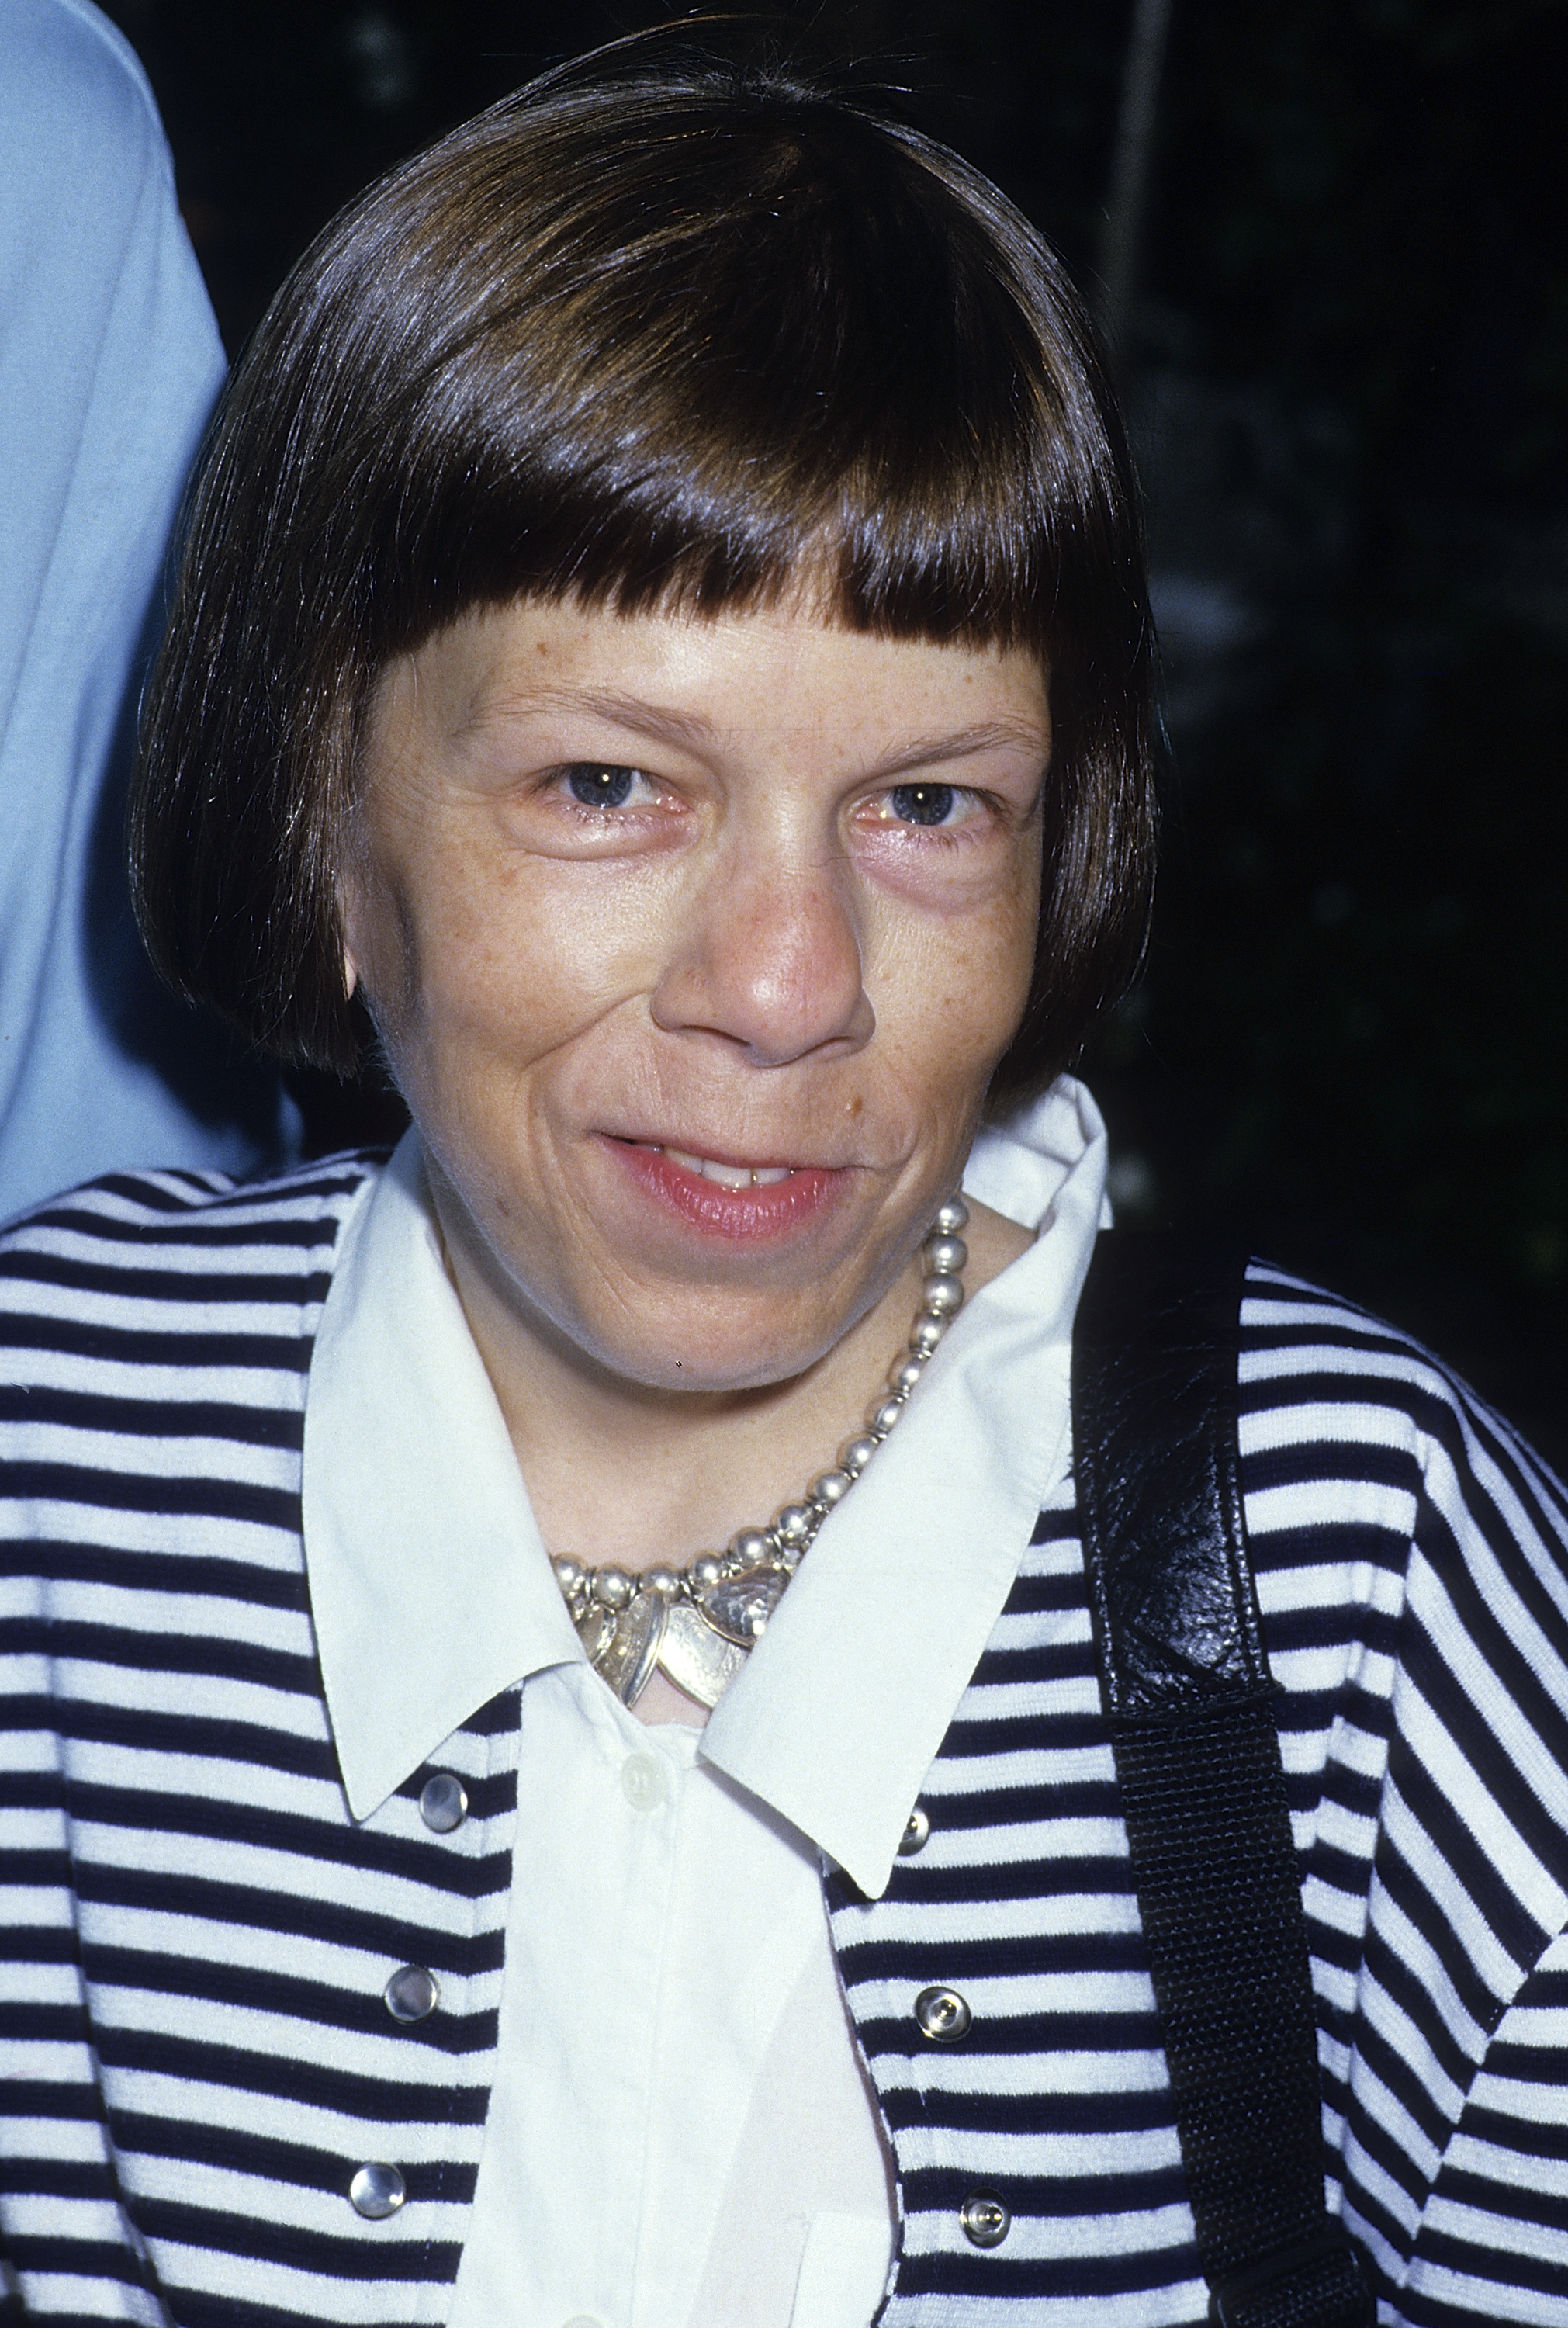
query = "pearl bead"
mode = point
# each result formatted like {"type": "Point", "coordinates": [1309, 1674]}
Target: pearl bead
{"type": "Point", "coordinates": [924, 1335]}
{"type": "Point", "coordinates": [794, 1525]}
{"type": "Point", "coordinates": [829, 1487]}
{"type": "Point", "coordinates": [750, 1547]}
{"type": "Point", "coordinates": [903, 1376]}
{"type": "Point", "coordinates": [664, 1582]}
{"type": "Point", "coordinates": [944, 1294]}
{"type": "Point", "coordinates": [881, 1419]}
{"type": "Point", "coordinates": [613, 1588]}
{"type": "Point", "coordinates": [854, 1454]}
{"type": "Point", "coordinates": [947, 1255]}
{"type": "Point", "coordinates": [953, 1216]}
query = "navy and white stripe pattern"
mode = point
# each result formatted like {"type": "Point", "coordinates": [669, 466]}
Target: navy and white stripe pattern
{"type": "Point", "coordinates": [196, 1939]}
{"type": "Point", "coordinates": [1413, 1569]}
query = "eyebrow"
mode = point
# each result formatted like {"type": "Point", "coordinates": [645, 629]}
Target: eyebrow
{"type": "Point", "coordinates": [689, 731]}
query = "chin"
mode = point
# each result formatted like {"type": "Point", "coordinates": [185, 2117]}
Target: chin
{"type": "Point", "coordinates": [705, 1363]}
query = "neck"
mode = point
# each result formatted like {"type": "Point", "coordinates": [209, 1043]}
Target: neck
{"type": "Point", "coordinates": [644, 1475]}
{"type": "Point", "coordinates": [623, 1471]}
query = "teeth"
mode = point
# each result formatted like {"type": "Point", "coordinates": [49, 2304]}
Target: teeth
{"type": "Point", "coordinates": [729, 1175]}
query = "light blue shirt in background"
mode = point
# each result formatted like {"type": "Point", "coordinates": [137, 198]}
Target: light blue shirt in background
{"type": "Point", "coordinates": [110, 362]}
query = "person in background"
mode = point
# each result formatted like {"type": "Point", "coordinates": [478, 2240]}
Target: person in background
{"type": "Point", "coordinates": [109, 365]}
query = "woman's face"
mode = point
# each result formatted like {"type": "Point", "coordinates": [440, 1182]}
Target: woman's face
{"type": "Point", "coordinates": [694, 944]}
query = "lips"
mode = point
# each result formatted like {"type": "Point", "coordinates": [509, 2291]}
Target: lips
{"type": "Point", "coordinates": [730, 1196]}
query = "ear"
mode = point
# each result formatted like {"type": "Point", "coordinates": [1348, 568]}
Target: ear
{"type": "Point", "coordinates": [346, 896]}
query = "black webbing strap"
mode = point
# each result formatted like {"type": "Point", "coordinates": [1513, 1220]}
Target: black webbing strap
{"type": "Point", "coordinates": [1187, 1693]}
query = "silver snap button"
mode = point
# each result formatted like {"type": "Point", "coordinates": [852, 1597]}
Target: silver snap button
{"type": "Point", "coordinates": [377, 2191]}
{"type": "Point", "coordinates": [941, 2014]}
{"type": "Point", "coordinates": [916, 1833]}
{"type": "Point", "coordinates": [986, 2221]}
{"type": "Point", "coordinates": [411, 1993]}
{"type": "Point", "coordinates": [442, 1803]}
{"type": "Point", "coordinates": [643, 1782]}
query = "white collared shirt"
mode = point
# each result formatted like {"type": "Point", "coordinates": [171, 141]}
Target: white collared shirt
{"type": "Point", "coordinates": [678, 2133]}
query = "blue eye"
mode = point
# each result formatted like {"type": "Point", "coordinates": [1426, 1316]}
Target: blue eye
{"type": "Point", "coordinates": [597, 787]}
{"type": "Point", "coordinates": [922, 803]}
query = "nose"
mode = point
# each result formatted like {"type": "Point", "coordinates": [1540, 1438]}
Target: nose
{"type": "Point", "coordinates": [769, 959]}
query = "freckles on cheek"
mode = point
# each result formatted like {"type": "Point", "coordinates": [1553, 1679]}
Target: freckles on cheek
{"type": "Point", "coordinates": [1008, 968]}
{"type": "Point", "coordinates": [969, 1030]}
{"type": "Point", "coordinates": [467, 947]}
{"type": "Point", "coordinates": [978, 990]}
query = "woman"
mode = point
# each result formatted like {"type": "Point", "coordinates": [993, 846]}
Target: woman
{"type": "Point", "coordinates": [663, 625]}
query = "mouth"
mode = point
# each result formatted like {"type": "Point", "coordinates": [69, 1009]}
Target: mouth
{"type": "Point", "coordinates": [722, 1175]}
{"type": "Point", "coordinates": [731, 1195]}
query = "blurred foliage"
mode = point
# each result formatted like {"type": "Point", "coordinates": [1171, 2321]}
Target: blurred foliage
{"type": "Point", "coordinates": [1347, 378]}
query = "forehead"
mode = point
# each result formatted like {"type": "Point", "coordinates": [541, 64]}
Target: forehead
{"type": "Point", "coordinates": [717, 683]}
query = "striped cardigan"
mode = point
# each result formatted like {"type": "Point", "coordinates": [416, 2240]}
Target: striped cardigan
{"type": "Point", "coordinates": [195, 1935]}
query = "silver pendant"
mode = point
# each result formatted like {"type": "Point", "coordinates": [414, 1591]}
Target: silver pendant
{"type": "Point", "coordinates": [696, 1657]}
{"type": "Point", "coordinates": [628, 1659]}
{"type": "Point", "coordinates": [595, 1630]}
{"type": "Point", "coordinates": [739, 1607]}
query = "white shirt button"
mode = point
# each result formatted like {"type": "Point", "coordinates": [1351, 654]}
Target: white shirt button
{"type": "Point", "coordinates": [643, 1784]}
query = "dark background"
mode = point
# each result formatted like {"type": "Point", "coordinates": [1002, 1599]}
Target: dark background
{"type": "Point", "coordinates": [1345, 351]}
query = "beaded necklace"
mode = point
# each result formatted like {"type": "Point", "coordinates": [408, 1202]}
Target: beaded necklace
{"type": "Point", "coordinates": [696, 1625]}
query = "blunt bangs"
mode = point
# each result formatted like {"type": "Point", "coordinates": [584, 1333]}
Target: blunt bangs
{"type": "Point", "coordinates": [676, 342]}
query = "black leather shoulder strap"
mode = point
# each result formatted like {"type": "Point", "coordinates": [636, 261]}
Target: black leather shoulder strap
{"type": "Point", "coordinates": [1186, 1690]}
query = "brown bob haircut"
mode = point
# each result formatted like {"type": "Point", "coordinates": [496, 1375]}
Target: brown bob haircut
{"type": "Point", "coordinates": [662, 332]}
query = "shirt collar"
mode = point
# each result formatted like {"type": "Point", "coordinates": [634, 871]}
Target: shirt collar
{"type": "Point", "coordinates": [431, 1589]}
{"type": "Point", "coordinates": [841, 1707]}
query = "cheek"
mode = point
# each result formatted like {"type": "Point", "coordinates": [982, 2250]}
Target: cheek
{"type": "Point", "coordinates": [381, 939]}
{"type": "Point", "coordinates": [397, 975]}
{"type": "Point", "coordinates": [487, 968]}
{"type": "Point", "coordinates": [962, 989]}
{"type": "Point", "coordinates": [1016, 936]}
{"type": "Point", "coordinates": [1020, 947]}
{"type": "Point", "coordinates": [412, 940]}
